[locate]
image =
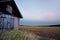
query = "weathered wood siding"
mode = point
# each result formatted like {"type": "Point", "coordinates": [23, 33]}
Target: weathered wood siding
{"type": "Point", "coordinates": [8, 22]}
{"type": "Point", "coordinates": [16, 23]}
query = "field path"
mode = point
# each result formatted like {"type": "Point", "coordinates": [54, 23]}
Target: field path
{"type": "Point", "coordinates": [50, 32]}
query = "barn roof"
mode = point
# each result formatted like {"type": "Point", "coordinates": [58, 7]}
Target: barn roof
{"type": "Point", "coordinates": [12, 3]}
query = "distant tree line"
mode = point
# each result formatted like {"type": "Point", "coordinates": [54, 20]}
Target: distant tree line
{"type": "Point", "coordinates": [55, 25]}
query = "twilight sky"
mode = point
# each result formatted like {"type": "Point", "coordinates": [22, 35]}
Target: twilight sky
{"type": "Point", "coordinates": [39, 12]}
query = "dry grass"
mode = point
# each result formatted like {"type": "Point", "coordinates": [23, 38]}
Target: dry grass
{"type": "Point", "coordinates": [50, 32]}
{"type": "Point", "coordinates": [28, 33]}
{"type": "Point", "coordinates": [18, 35]}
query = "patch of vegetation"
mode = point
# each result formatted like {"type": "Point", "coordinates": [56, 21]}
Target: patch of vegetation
{"type": "Point", "coordinates": [18, 35]}
{"type": "Point", "coordinates": [42, 38]}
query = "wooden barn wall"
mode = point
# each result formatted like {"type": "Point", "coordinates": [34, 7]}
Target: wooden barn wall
{"type": "Point", "coordinates": [9, 22]}
{"type": "Point", "coordinates": [16, 23]}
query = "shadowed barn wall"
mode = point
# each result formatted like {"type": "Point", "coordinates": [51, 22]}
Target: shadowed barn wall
{"type": "Point", "coordinates": [8, 22]}
{"type": "Point", "coordinates": [16, 23]}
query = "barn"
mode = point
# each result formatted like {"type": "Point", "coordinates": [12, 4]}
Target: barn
{"type": "Point", "coordinates": [9, 15]}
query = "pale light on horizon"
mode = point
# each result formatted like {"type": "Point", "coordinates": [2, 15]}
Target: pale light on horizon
{"type": "Point", "coordinates": [39, 10]}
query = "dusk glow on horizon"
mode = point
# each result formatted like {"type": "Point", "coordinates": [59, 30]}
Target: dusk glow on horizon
{"type": "Point", "coordinates": [39, 12]}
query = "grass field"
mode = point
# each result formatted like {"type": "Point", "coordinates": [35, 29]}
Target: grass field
{"type": "Point", "coordinates": [18, 35]}
{"type": "Point", "coordinates": [49, 32]}
{"type": "Point", "coordinates": [31, 33]}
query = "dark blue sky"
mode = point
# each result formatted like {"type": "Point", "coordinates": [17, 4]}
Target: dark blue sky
{"type": "Point", "coordinates": [39, 12]}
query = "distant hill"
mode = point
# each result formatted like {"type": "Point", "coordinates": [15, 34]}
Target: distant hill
{"type": "Point", "coordinates": [58, 25]}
